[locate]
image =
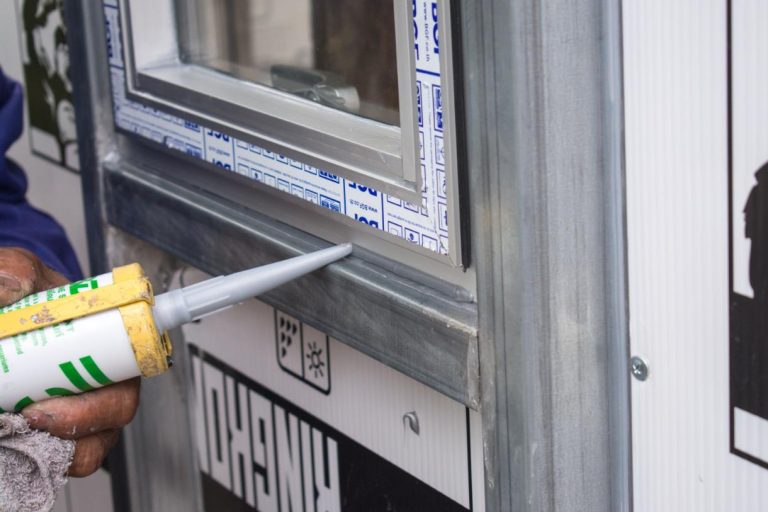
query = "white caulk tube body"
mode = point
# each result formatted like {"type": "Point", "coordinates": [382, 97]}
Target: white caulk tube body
{"type": "Point", "coordinates": [67, 358]}
{"type": "Point", "coordinates": [72, 352]}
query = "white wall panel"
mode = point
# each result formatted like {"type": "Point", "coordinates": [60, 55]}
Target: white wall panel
{"type": "Point", "coordinates": [675, 71]}
{"type": "Point", "coordinates": [360, 398]}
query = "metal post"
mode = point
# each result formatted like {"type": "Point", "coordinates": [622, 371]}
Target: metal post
{"type": "Point", "coordinates": [544, 158]}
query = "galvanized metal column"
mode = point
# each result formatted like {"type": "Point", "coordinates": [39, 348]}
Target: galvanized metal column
{"type": "Point", "coordinates": [542, 87]}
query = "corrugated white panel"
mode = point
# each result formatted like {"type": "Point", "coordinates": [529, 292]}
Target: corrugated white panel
{"type": "Point", "coordinates": [749, 121]}
{"type": "Point", "coordinates": [677, 213]}
{"type": "Point", "coordinates": [364, 399]}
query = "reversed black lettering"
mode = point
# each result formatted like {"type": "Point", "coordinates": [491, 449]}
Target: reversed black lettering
{"type": "Point", "coordinates": [240, 441]}
{"type": "Point", "coordinates": [216, 423]}
{"type": "Point", "coordinates": [288, 460]}
{"type": "Point", "coordinates": [263, 453]}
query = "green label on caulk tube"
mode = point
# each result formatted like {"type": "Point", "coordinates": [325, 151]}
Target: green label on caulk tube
{"type": "Point", "coordinates": [74, 377]}
{"type": "Point", "coordinates": [60, 292]}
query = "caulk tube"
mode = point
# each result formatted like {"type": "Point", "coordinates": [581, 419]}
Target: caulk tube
{"type": "Point", "coordinates": [103, 330]}
{"type": "Point", "coordinates": [68, 357]}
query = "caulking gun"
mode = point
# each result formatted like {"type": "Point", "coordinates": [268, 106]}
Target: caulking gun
{"type": "Point", "coordinates": [110, 328]}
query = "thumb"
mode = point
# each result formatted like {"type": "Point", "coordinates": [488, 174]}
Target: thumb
{"type": "Point", "coordinates": [18, 275]}
{"type": "Point", "coordinates": [22, 273]}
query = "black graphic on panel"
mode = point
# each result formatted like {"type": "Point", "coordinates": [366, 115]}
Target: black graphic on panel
{"type": "Point", "coordinates": [47, 81]}
{"type": "Point", "coordinates": [263, 453]}
{"type": "Point", "coordinates": [749, 316]}
{"type": "Point", "coordinates": [303, 352]}
{"type": "Point", "coordinates": [748, 261]}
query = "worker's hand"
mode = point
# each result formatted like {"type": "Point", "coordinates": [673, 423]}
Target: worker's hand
{"type": "Point", "coordinates": [92, 419]}
{"type": "Point", "coordinates": [22, 273]}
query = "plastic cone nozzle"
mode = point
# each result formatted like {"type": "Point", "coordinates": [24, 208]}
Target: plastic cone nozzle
{"type": "Point", "coordinates": [182, 306]}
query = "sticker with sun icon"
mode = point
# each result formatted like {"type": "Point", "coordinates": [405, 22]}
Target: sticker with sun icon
{"type": "Point", "coordinates": [303, 351]}
{"type": "Point", "coordinates": [315, 359]}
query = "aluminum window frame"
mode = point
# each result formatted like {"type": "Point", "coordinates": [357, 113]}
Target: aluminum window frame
{"type": "Point", "coordinates": [366, 151]}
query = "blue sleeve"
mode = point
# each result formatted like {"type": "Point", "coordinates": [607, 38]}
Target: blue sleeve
{"type": "Point", "coordinates": [21, 225]}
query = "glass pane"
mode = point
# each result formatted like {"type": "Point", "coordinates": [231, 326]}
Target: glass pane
{"type": "Point", "coordinates": [338, 53]}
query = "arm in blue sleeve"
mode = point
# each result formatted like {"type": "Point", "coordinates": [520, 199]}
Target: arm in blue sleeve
{"type": "Point", "coordinates": [21, 225]}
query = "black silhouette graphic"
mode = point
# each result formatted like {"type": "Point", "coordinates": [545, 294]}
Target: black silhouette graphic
{"type": "Point", "coordinates": [47, 80]}
{"type": "Point", "coordinates": [749, 316]}
{"type": "Point", "coordinates": [755, 217]}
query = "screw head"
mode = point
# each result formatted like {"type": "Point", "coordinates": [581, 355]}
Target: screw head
{"type": "Point", "coordinates": [639, 368]}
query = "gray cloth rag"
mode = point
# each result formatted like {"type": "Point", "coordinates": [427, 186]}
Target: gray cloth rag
{"type": "Point", "coordinates": [33, 466]}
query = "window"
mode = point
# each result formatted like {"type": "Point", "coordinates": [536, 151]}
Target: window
{"type": "Point", "coordinates": [327, 83]}
{"type": "Point", "coordinates": [344, 104]}
{"type": "Point", "coordinates": [340, 54]}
